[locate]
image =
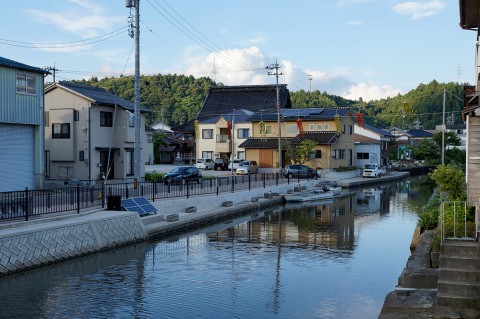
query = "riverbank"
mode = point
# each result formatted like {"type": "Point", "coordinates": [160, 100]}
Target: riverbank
{"type": "Point", "coordinates": [49, 239]}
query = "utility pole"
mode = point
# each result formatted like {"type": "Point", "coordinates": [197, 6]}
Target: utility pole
{"type": "Point", "coordinates": [50, 69]}
{"type": "Point", "coordinates": [136, 152]}
{"type": "Point", "coordinates": [309, 78]}
{"type": "Point", "coordinates": [276, 67]}
{"type": "Point", "coordinates": [443, 129]}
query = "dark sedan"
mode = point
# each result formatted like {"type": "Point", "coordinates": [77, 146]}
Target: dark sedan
{"type": "Point", "coordinates": [300, 171]}
{"type": "Point", "coordinates": [182, 175]}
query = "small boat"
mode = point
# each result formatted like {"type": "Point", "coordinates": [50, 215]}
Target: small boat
{"type": "Point", "coordinates": [308, 196]}
{"type": "Point", "coordinates": [332, 187]}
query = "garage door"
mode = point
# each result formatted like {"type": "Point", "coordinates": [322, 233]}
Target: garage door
{"type": "Point", "coordinates": [17, 155]}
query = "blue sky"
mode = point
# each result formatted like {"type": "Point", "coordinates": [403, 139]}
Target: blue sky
{"type": "Point", "coordinates": [352, 48]}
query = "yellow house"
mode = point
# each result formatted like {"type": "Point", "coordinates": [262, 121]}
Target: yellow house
{"type": "Point", "coordinates": [330, 128]}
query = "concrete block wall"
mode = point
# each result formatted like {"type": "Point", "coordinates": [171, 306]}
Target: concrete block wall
{"type": "Point", "coordinates": [202, 202]}
{"type": "Point", "coordinates": [51, 241]}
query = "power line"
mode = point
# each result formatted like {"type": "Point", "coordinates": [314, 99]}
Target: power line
{"type": "Point", "coordinates": [59, 45]}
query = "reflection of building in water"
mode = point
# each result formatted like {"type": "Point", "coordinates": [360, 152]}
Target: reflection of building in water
{"type": "Point", "coordinates": [368, 201]}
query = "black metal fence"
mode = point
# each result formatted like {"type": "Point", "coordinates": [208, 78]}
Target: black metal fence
{"type": "Point", "coordinates": [28, 203]}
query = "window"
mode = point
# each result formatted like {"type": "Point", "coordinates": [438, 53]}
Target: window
{"type": "Point", "coordinates": [131, 119]}
{"type": "Point", "coordinates": [319, 127]}
{"type": "Point", "coordinates": [350, 130]}
{"type": "Point", "coordinates": [241, 155]}
{"type": "Point", "coordinates": [384, 145]}
{"type": "Point", "coordinates": [291, 129]}
{"type": "Point", "coordinates": [363, 156]}
{"type": "Point", "coordinates": [318, 154]}
{"type": "Point", "coordinates": [207, 154]}
{"type": "Point", "coordinates": [311, 127]}
{"type": "Point", "coordinates": [81, 156]}
{"type": "Point", "coordinates": [268, 129]}
{"type": "Point", "coordinates": [243, 133]}
{"type": "Point", "coordinates": [207, 134]}
{"type": "Point", "coordinates": [26, 84]}
{"type": "Point", "coordinates": [338, 154]}
{"type": "Point", "coordinates": [61, 130]}
{"type": "Point", "coordinates": [76, 115]}
{"type": "Point", "coordinates": [129, 163]}
{"type": "Point", "coordinates": [106, 119]}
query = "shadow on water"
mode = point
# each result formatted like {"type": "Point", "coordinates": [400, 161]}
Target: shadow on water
{"type": "Point", "coordinates": [315, 260]}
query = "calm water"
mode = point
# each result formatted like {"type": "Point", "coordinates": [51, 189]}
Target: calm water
{"type": "Point", "coordinates": [333, 260]}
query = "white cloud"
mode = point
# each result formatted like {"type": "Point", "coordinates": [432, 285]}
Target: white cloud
{"type": "Point", "coordinates": [355, 22]}
{"type": "Point", "coordinates": [369, 92]}
{"type": "Point", "coordinates": [258, 39]}
{"type": "Point", "coordinates": [83, 19]}
{"type": "Point", "coordinates": [419, 10]}
{"type": "Point", "coordinates": [247, 67]}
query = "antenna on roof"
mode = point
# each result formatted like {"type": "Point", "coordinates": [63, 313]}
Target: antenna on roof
{"type": "Point", "coordinates": [214, 71]}
{"type": "Point", "coordinates": [309, 78]}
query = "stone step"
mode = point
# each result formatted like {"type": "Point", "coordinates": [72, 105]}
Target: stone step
{"type": "Point", "coordinates": [461, 262]}
{"type": "Point", "coordinates": [459, 274]}
{"type": "Point", "coordinates": [462, 248]}
{"type": "Point", "coordinates": [454, 301]}
{"type": "Point", "coordinates": [459, 288]}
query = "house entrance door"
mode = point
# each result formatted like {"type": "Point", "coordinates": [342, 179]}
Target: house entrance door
{"type": "Point", "coordinates": [106, 167]}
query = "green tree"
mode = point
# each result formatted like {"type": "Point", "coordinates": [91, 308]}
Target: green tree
{"type": "Point", "coordinates": [426, 150]}
{"type": "Point", "coordinates": [451, 139]}
{"type": "Point", "coordinates": [451, 180]}
{"type": "Point", "coordinates": [305, 150]}
{"type": "Point", "coordinates": [158, 140]}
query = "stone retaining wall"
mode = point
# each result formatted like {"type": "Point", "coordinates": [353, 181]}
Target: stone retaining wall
{"type": "Point", "coordinates": [48, 242]}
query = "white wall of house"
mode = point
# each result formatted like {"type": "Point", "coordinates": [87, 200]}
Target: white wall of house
{"type": "Point", "coordinates": [78, 157]}
{"type": "Point", "coordinates": [373, 151]}
{"type": "Point", "coordinates": [366, 132]}
{"type": "Point", "coordinates": [206, 141]}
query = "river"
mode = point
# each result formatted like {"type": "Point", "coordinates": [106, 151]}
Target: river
{"type": "Point", "coordinates": [334, 259]}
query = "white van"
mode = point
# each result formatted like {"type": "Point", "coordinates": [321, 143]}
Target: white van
{"type": "Point", "coordinates": [205, 163]}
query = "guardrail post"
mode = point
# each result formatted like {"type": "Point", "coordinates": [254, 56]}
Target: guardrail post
{"type": "Point", "coordinates": [126, 190]}
{"type": "Point", "coordinates": [233, 182]}
{"type": "Point", "coordinates": [276, 178]}
{"type": "Point", "coordinates": [249, 182]}
{"type": "Point", "coordinates": [186, 186]}
{"type": "Point", "coordinates": [26, 204]}
{"type": "Point", "coordinates": [217, 186]}
{"type": "Point", "coordinates": [154, 191]}
{"type": "Point", "coordinates": [263, 176]}
{"type": "Point", "coordinates": [78, 199]}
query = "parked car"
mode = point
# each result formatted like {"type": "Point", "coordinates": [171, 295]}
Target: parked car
{"type": "Point", "coordinates": [183, 174]}
{"type": "Point", "coordinates": [220, 164]}
{"type": "Point", "coordinates": [300, 171]}
{"type": "Point", "coordinates": [236, 163]}
{"type": "Point", "coordinates": [205, 163]}
{"type": "Point", "coordinates": [247, 167]}
{"type": "Point", "coordinates": [372, 170]}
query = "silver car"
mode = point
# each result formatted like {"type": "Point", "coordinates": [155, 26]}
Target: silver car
{"type": "Point", "coordinates": [247, 167]}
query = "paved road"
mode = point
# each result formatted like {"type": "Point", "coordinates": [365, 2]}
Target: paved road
{"type": "Point", "coordinates": [165, 168]}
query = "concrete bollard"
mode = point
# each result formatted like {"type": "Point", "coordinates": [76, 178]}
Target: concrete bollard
{"type": "Point", "coordinates": [173, 217]}
{"type": "Point", "coordinates": [255, 199]}
{"type": "Point", "coordinates": [268, 195]}
{"type": "Point", "coordinates": [191, 209]}
{"type": "Point", "coordinates": [228, 203]}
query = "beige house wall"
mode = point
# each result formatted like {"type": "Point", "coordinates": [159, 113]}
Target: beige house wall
{"type": "Point", "coordinates": [88, 136]}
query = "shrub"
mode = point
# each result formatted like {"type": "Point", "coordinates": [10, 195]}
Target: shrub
{"type": "Point", "coordinates": [345, 168]}
{"type": "Point", "coordinates": [154, 176]}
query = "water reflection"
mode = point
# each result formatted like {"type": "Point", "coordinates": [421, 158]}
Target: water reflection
{"type": "Point", "coordinates": [317, 260]}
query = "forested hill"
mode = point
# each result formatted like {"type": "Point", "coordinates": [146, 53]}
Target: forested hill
{"type": "Point", "coordinates": [180, 97]}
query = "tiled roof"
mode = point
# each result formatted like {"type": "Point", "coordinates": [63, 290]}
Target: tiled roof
{"type": "Point", "coordinates": [293, 114]}
{"type": "Point", "coordinates": [377, 130]}
{"type": "Point", "coordinates": [99, 95]}
{"type": "Point", "coordinates": [187, 127]}
{"type": "Point", "coordinates": [224, 99]}
{"type": "Point", "coordinates": [420, 133]}
{"type": "Point", "coordinates": [19, 66]}
{"type": "Point", "coordinates": [325, 137]}
{"type": "Point", "coordinates": [266, 143]}
{"type": "Point", "coordinates": [239, 116]}
{"type": "Point", "coordinates": [321, 138]}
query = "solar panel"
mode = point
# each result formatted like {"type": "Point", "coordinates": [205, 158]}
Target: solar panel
{"type": "Point", "coordinates": [140, 205]}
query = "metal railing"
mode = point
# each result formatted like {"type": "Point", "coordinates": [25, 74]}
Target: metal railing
{"type": "Point", "coordinates": [27, 203]}
{"type": "Point", "coordinates": [455, 220]}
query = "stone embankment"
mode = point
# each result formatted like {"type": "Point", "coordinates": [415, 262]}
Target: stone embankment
{"type": "Point", "coordinates": [25, 245]}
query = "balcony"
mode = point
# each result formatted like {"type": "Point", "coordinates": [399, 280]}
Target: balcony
{"type": "Point", "coordinates": [222, 138]}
